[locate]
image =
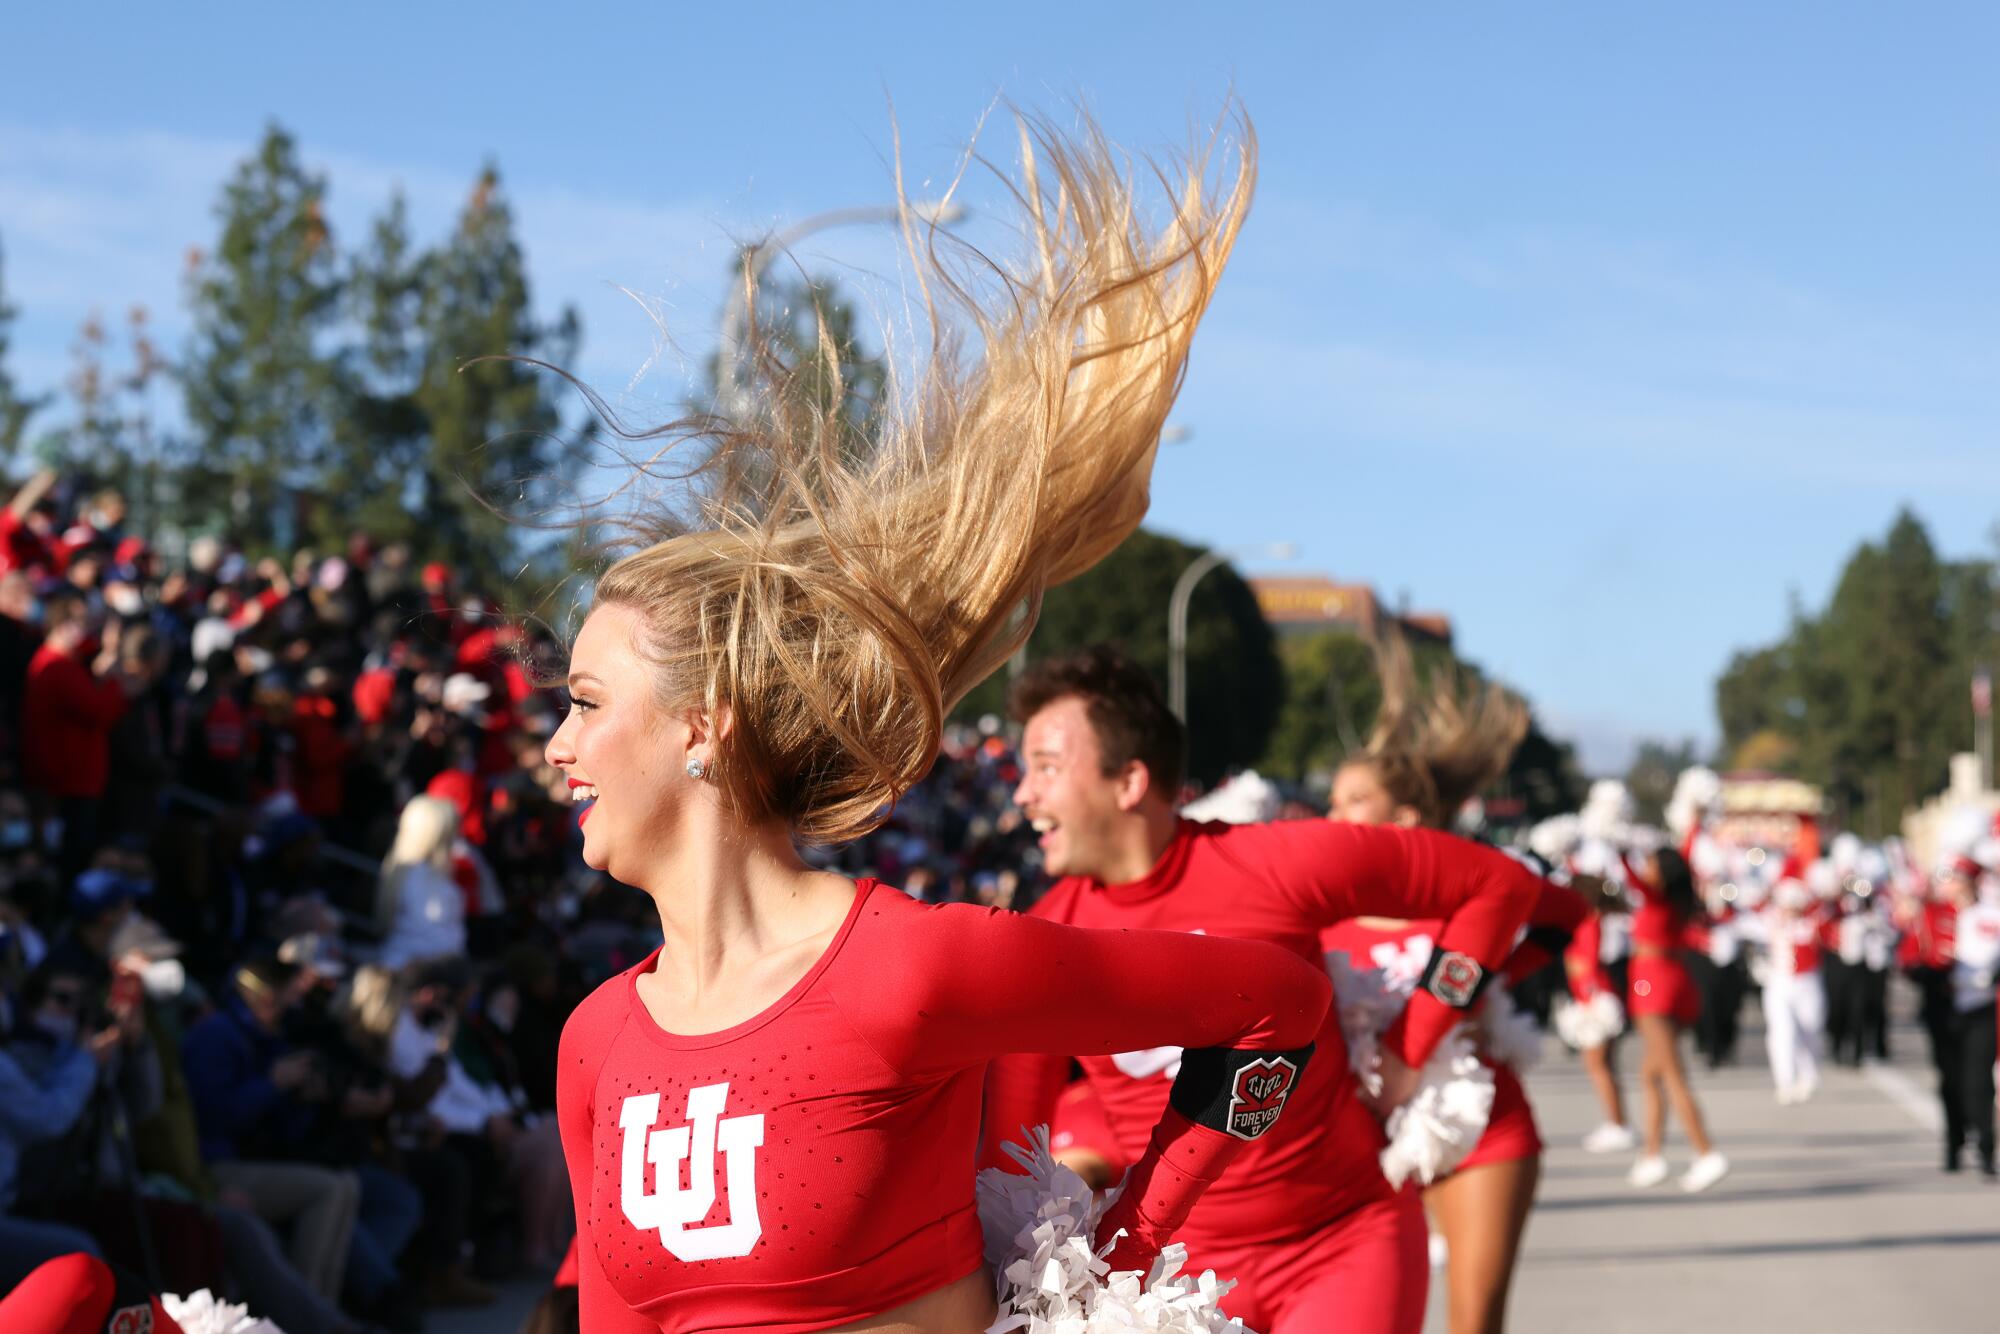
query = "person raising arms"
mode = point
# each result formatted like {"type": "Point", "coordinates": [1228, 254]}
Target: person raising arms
{"type": "Point", "coordinates": [772, 1122]}
{"type": "Point", "coordinates": [1315, 1236]}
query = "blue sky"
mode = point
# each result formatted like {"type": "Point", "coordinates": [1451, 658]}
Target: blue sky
{"type": "Point", "coordinates": [1601, 328]}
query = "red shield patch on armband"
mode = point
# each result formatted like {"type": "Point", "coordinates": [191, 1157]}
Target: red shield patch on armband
{"type": "Point", "coordinates": [131, 1320]}
{"type": "Point", "coordinates": [1258, 1095]}
{"type": "Point", "coordinates": [1456, 979]}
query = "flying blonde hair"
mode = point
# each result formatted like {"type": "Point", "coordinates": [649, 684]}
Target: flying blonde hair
{"type": "Point", "coordinates": [835, 598]}
{"type": "Point", "coordinates": [425, 832]}
{"type": "Point", "coordinates": [1434, 750]}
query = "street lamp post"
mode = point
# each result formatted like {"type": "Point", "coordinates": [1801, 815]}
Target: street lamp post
{"type": "Point", "coordinates": [1177, 613]}
{"type": "Point", "coordinates": [756, 257]}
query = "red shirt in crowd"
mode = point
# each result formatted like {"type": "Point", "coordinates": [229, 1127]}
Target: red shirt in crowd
{"type": "Point", "coordinates": [1282, 883]}
{"type": "Point", "coordinates": [21, 547]}
{"type": "Point", "coordinates": [66, 720]}
{"type": "Point", "coordinates": [814, 1165]}
{"type": "Point", "coordinates": [319, 779]}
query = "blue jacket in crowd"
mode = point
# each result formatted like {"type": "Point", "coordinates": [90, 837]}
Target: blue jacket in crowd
{"type": "Point", "coordinates": [227, 1058]}
{"type": "Point", "coordinates": [38, 1105]}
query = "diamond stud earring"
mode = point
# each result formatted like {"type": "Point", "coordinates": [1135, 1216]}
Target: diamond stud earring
{"type": "Point", "coordinates": [696, 769]}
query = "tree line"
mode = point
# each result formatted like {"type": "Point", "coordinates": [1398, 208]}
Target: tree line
{"type": "Point", "coordinates": [325, 388]}
{"type": "Point", "coordinates": [1872, 695]}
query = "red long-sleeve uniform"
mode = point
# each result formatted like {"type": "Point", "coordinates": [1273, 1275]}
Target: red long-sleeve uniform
{"type": "Point", "coordinates": [1283, 883]}
{"type": "Point", "coordinates": [814, 1165]}
{"type": "Point", "coordinates": [1403, 948]}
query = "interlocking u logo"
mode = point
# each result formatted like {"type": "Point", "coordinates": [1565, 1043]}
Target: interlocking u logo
{"type": "Point", "coordinates": [672, 1208]}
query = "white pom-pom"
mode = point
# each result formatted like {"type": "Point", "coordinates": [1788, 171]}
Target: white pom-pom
{"type": "Point", "coordinates": [1049, 1280]}
{"type": "Point", "coordinates": [203, 1312]}
{"type": "Point", "coordinates": [1508, 1034]}
{"type": "Point", "coordinates": [1431, 1134]}
{"type": "Point", "coordinates": [1442, 1121]}
{"type": "Point", "coordinates": [1588, 1024]}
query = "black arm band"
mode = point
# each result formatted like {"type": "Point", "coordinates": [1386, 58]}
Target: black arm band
{"type": "Point", "coordinates": [1455, 979]}
{"type": "Point", "coordinates": [1237, 1092]}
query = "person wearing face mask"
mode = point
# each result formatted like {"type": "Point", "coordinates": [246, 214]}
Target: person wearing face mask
{"type": "Point", "coordinates": [47, 1077]}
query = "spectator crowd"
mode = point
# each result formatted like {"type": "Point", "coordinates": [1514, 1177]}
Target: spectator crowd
{"type": "Point", "coordinates": [291, 916]}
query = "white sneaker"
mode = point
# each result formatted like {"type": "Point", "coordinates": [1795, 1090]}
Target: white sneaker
{"type": "Point", "coordinates": [1610, 1138]}
{"type": "Point", "coordinates": [1648, 1171]}
{"type": "Point", "coordinates": [1704, 1172]}
{"type": "Point", "coordinates": [1787, 1095]}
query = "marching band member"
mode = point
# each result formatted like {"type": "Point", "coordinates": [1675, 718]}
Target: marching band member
{"type": "Point", "coordinates": [1793, 931]}
{"type": "Point", "coordinates": [1974, 889]}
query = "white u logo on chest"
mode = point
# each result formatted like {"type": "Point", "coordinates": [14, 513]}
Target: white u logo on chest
{"type": "Point", "coordinates": [673, 1209]}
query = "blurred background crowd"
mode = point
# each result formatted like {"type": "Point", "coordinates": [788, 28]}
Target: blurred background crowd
{"type": "Point", "coordinates": [291, 916]}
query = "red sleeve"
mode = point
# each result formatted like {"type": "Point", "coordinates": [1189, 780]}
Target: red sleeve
{"type": "Point", "coordinates": [585, 1040]}
{"type": "Point", "coordinates": [94, 702]}
{"type": "Point", "coordinates": [1552, 923]}
{"type": "Point", "coordinates": [1581, 961]}
{"type": "Point", "coordinates": [1335, 870]}
{"type": "Point", "coordinates": [1022, 1087]}
{"type": "Point", "coordinates": [988, 982]}
{"type": "Point", "coordinates": [1645, 888]}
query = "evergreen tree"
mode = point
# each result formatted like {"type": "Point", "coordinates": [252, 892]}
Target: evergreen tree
{"type": "Point", "coordinates": [259, 383]}
{"type": "Point", "coordinates": [492, 421]}
{"type": "Point", "coordinates": [1870, 697]}
{"type": "Point", "coordinates": [380, 433]}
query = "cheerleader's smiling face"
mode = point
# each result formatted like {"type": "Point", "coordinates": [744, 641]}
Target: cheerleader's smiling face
{"type": "Point", "coordinates": [1360, 797]}
{"type": "Point", "coordinates": [1081, 809]}
{"type": "Point", "coordinates": [623, 753]}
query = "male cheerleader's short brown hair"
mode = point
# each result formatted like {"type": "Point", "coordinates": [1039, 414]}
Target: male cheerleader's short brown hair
{"type": "Point", "coordinates": [1125, 706]}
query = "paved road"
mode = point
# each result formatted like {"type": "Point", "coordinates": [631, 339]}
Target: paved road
{"type": "Point", "coordinates": [1836, 1217]}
